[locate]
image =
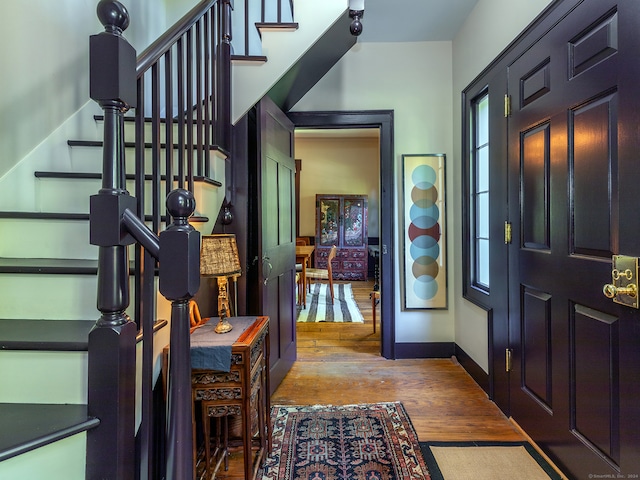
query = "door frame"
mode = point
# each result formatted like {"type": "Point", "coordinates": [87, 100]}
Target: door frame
{"type": "Point", "coordinates": [382, 119]}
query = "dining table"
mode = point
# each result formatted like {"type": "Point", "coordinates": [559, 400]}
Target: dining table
{"type": "Point", "coordinates": [303, 256]}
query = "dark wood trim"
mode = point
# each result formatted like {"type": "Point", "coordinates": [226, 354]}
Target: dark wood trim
{"type": "Point", "coordinates": [470, 291]}
{"type": "Point", "coordinates": [285, 27]}
{"type": "Point", "coordinates": [249, 58]}
{"type": "Point", "coordinates": [52, 335]}
{"type": "Point", "coordinates": [146, 145]}
{"type": "Point", "coordinates": [129, 176]}
{"type": "Point", "coordinates": [425, 350]}
{"type": "Point", "coordinates": [297, 188]}
{"type": "Point", "coordinates": [472, 368]}
{"type": "Point", "coordinates": [49, 265]}
{"type": "Point", "coordinates": [45, 335]}
{"type": "Point", "coordinates": [36, 425]}
{"type": "Point", "coordinates": [79, 216]}
{"type": "Point", "coordinates": [307, 70]}
{"type": "Point", "coordinates": [157, 326]}
{"type": "Point", "coordinates": [445, 350]}
{"type": "Point", "coordinates": [158, 48]}
{"type": "Point", "coordinates": [382, 119]}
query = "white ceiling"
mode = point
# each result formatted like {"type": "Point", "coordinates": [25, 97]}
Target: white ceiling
{"type": "Point", "coordinates": [413, 20]}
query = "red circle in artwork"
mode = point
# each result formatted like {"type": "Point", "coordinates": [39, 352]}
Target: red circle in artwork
{"type": "Point", "coordinates": [415, 232]}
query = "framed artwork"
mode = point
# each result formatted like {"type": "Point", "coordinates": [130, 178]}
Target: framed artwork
{"type": "Point", "coordinates": [424, 231]}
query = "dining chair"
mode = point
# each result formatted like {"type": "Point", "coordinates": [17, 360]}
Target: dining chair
{"type": "Point", "coordinates": [302, 241]}
{"type": "Point", "coordinates": [324, 273]}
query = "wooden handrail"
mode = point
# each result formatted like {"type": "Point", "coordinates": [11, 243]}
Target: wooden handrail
{"type": "Point", "coordinates": [157, 49]}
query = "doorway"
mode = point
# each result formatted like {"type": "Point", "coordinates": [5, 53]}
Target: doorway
{"type": "Point", "coordinates": [338, 169]}
{"type": "Point", "coordinates": [383, 121]}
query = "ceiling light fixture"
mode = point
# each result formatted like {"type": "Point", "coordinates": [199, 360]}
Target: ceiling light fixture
{"type": "Point", "coordinates": [356, 12]}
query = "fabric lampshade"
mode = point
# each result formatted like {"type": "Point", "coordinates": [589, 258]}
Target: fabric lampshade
{"type": "Point", "coordinates": [219, 256]}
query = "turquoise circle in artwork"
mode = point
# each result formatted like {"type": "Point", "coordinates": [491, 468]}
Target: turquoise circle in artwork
{"type": "Point", "coordinates": [425, 288]}
{"type": "Point", "coordinates": [418, 215]}
{"type": "Point", "coordinates": [423, 176]}
{"type": "Point", "coordinates": [430, 249]}
{"type": "Point", "coordinates": [425, 242]}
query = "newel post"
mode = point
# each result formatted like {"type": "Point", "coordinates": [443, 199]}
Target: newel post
{"type": "Point", "coordinates": [111, 364]}
{"type": "Point", "coordinates": [179, 282]}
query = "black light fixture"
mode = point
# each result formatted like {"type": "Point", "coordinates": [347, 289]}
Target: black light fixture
{"type": "Point", "coordinates": [356, 12]}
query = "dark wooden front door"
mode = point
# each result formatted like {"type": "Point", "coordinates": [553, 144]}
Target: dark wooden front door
{"type": "Point", "coordinates": [574, 179]}
{"type": "Point", "coordinates": [276, 183]}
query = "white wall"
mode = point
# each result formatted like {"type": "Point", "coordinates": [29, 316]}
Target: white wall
{"type": "Point", "coordinates": [45, 63]}
{"type": "Point", "coordinates": [414, 80]}
{"type": "Point", "coordinates": [489, 29]}
{"type": "Point", "coordinates": [45, 70]}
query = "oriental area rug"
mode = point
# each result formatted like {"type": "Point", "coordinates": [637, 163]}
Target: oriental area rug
{"type": "Point", "coordinates": [320, 309]}
{"type": "Point", "coordinates": [373, 441]}
{"type": "Point", "coordinates": [486, 461]}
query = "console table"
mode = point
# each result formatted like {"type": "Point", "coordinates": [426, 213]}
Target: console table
{"type": "Point", "coordinates": [242, 390]}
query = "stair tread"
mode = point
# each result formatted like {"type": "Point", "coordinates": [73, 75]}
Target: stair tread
{"type": "Point", "coordinates": [77, 216]}
{"type": "Point", "coordinates": [45, 335]}
{"type": "Point", "coordinates": [98, 176]}
{"type": "Point", "coordinates": [25, 427]}
{"type": "Point", "coordinates": [284, 26]}
{"type": "Point", "coordinates": [48, 265]}
{"type": "Point", "coordinates": [250, 58]}
{"type": "Point", "coordinates": [100, 143]}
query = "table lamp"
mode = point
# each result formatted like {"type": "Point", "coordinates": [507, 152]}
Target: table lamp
{"type": "Point", "coordinates": [219, 259]}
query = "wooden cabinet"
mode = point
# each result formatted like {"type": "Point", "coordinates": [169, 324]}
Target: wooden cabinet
{"type": "Point", "coordinates": [242, 391]}
{"type": "Point", "coordinates": [342, 220]}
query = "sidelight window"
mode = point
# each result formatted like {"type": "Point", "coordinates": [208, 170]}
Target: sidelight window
{"type": "Point", "coordinates": [479, 184]}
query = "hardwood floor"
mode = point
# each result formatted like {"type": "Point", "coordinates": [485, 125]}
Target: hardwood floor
{"type": "Point", "coordinates": [340, 364]}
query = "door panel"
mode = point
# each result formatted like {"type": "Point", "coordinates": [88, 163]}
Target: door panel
{"type": "Point", "coordinates": [277, 204]}
{"type": "Point", "coordinates": [572, 98]}
{"type": "Point", "coordinates": [593, 163]}
{"type": "Point", "coordinates": [535, 187]}
{"type": "Point", "coordinates": [536, 341]}
{"type": "Point", "coordinates": [596, 337]}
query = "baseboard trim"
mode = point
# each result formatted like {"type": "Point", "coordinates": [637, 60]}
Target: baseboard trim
{"type": "Point", "coordinates": [424, 350]}
{"type": "Point", "coordinates": [444, 350]}
{"type": "Point", "coordinates": [473, 369]}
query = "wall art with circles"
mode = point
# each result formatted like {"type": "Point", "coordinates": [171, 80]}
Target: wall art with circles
{"type": "Point", "coordinates": [425, 260]}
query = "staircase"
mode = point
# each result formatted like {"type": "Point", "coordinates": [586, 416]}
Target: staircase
{"type": "Point", "coordinates": [48, 267]}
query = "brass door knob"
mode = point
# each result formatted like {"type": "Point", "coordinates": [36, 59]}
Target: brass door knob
{"type": "Point", "coordinates": [611, 290]}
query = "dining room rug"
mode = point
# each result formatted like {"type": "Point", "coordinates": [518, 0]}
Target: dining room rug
{"type": "Point", "coordinates": [320, 309]}
{"type": "Point", "coordinates": [328, 442]}
{"type": "Point", "coordinates": [486, 461]}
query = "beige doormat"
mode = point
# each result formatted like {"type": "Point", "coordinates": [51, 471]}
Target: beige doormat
{"type": "Point", "coordinates": [485, 461]}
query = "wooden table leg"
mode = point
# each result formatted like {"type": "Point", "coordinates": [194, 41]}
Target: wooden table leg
{"type": "Point", "coordinates": [246, 425]}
